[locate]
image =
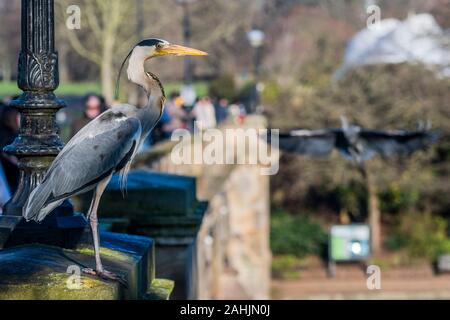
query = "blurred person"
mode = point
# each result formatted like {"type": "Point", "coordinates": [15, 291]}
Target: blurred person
{"type": "Point", "coordinates": [159, 133]}
{"type": "Point", "coordinates": [190, 117]}
{"type": "Point", "coordinates": [9, 128]}
{"type": "Point", "coordinates": [178, 116]}
{"type": "Point", "coordinates": [242, 112]}
{"type": "Point", "coordinates": [181, 112]}
{"type": "Point", "coordinates": [173, 117]}
{"type": "Point", "coordinates": [237, 112]}
{"type": "Point", "coordinates": [205, 114]}
{"type": "Point", "coordinates": [221, 109]}
{"type": "Point", "coordinates": [93, 106]}
{"type": "Point", "coordinates": [169, 121]}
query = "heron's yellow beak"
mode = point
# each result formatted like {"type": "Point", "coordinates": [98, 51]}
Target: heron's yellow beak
{"type": "Point", "coordinates": [173, 49]}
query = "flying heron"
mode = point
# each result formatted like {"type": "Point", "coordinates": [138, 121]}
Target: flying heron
{"type": "Point", "coordinates": [105, 146]}
{"type": "Point", "coordinates": [359, 145]}
{"type": "Point", "coordinates": [355, 143]}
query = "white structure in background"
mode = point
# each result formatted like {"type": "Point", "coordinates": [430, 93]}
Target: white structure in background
{"type": "Point", "coordinates": [418, 39]}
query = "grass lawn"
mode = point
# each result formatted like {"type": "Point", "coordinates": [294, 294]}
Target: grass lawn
{"type": "Point", "coordinates": [81, 88]}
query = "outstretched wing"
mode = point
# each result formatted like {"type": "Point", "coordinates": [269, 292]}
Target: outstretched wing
{"type": "Point", "coordinates": [101, 148]}
{"type": "Point", "coordinates": [312, 143]}
{"type": "Point", "coordinates": [389, 143]}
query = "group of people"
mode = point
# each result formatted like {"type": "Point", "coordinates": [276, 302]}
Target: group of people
{"type": "Point", "coordinates": [206, 113]}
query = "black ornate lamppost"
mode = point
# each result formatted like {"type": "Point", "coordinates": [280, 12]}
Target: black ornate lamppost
{"type": "Point", "coordinates": [38, 142]}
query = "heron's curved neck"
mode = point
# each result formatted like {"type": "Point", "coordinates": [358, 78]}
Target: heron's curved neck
{"type": "Point", "coordinates": [148, 81]}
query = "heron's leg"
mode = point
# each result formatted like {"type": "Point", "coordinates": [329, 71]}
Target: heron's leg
{"type": "Point", "coordinates": [92, 215]}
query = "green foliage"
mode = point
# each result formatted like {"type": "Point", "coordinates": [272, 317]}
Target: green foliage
{"type": "Point", "coordinates": [352, 197]}
{"type": "Point", "coordinates": [296, 235]}
{"type": "Point", "coordinates": [395, 199]}
{"type": "Point", "coordinates": [286, 267]}
{"type": "Point", "coordinates": [82, 88]}
{"type": "Point", "coordinates": [271, 93]}
{"type": "Point", "coordinates": [422, 235]}
{"type": "Point", "coordinates": [73, 88]}
{"type": "Point", "coordinates": [223, 87]}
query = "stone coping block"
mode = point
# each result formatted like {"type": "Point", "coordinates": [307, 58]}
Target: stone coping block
{"type": "Point", "coordinates": [170, 227]}
{"type": "Point", "coordinates": [41, 272]}
{"type": "Point", "coordinates": [159, 193]}
{"type": "Point", "coordinates": [61, 231]}
{"type": "Point", "coordinates": [158, 205]}
{"type": "Point", "coordinates": [160, 289]}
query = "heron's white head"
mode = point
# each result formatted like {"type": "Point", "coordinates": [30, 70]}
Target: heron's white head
{"type": "Point", "coordinates": [148, 49]}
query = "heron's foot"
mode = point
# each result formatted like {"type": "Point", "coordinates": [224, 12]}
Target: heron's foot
{"type": "Point", "coordinates": [106, 275]}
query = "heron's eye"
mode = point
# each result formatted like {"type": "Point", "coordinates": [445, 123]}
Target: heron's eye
{"type": "Point", "coordinates": [159, 46]}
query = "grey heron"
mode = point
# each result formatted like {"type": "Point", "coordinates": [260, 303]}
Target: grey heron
{"type": "Point", "coordinates": [355, 143]}
{"type": "Point", "coordinates": [105, 146]}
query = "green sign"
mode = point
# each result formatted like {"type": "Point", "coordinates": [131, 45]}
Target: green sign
{"type": "Point", "coordinates": [349, 242]}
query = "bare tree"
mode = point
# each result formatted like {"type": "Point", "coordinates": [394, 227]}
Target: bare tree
{"type": "Point", "coordinates": [104, 33]}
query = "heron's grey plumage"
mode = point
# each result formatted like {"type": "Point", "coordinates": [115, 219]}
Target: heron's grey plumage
{"type": "Point", "coordinates": [318, 143]}
{"type": "Point", "coordinates": [388, 143]}
{"type": "Point", "coordinates": [354, 143]}
{"type": "Point", "coordinates": [105, 146]}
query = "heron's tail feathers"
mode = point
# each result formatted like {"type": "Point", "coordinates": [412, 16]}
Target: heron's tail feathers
{"type": "Point", "coordinates": [36, 207]}
{"type": "Point", "coordinates": [123, 178]}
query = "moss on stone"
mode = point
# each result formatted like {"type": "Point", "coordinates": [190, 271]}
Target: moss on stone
{"type": "Point", "coordinates": [53, 286]}
{"type": "Point", "coordinates": [117, 255]}
{"type": "Point", "coordinates": [39, 272]}
{"type": "Point", "coordinates": [160, 289]}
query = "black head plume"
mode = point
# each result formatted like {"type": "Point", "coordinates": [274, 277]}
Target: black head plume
{"type": "Point", "coordinates": [116, 91]}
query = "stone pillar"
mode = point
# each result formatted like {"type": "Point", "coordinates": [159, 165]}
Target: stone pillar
{"type": "Point", "coordinates": [163, 207]}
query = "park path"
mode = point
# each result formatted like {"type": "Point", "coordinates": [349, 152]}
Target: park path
{"type": "Point", "coordinates": [350, 283]}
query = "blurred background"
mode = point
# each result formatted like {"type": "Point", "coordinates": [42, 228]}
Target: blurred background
{"type": "Point", "coordinates": [302, 64]}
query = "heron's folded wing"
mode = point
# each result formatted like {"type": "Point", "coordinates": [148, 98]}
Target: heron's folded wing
{"type": "Point", "coordinates": [101, 148]}
{"type": "Point", "coordinates": [389, 143]}
{"type": "Point", "coordinates": [313, 143]}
